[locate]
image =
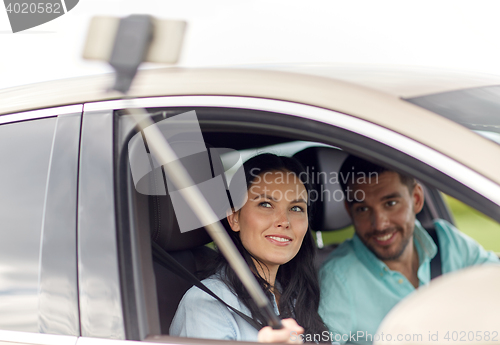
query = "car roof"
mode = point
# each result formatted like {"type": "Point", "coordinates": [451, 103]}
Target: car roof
{"type": "Point", "coordinates": [397, 80]}
{"type": "Point", "coordinates": [371, 96]}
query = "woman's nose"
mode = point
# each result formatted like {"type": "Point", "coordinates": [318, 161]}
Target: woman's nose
{"type": "Point", "coordinates": [282, 221]}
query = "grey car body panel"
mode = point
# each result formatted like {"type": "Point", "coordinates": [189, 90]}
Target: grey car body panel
{"type": "Point", "coordinates": [101, 312]}
{"type": "Point", "coordinates": [23, 180]}
{"type": "Point", "coordinates": [58, 293]}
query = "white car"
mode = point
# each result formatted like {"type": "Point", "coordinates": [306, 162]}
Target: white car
{"type": "Point", "coordinates": [76, 257]}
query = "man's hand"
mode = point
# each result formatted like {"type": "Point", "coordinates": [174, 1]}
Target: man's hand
{"type": "Point", "coordinates": [290, 333]}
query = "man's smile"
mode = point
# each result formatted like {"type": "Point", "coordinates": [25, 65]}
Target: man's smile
{"type": "Point", "coordinates": [384, 239]}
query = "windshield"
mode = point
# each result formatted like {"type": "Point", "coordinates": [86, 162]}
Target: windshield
{"type": "Point", "coordinates": [477, 109]}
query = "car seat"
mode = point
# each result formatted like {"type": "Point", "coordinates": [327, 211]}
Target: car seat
{"type": "Point", "coordinates": [328, 212]}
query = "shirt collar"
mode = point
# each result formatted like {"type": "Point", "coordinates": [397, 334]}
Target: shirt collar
{"type": "Point", "coordinates": [426, 249]}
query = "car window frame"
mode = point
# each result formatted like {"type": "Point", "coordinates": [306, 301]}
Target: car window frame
{"type": "Point", "coordinates": [100, 295]}
{"type": "Point", "coordinates": [354, 141]}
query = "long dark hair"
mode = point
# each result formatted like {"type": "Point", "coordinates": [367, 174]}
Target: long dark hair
{"type": "Point", "coordinates": [298, 278]}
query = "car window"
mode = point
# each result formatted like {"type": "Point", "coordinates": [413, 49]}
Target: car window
{"type": "Point", "coordinates": [240, 130]}
{"type": "Point", "coordinates": [24, 152]}
{"type": "Point", "coordinates": [476, 108]}
{"type": "Point", "coordinates": [483, 229]}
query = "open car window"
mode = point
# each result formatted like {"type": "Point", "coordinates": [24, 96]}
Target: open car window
{"type": "Point", "coordinates": [147, 213]}
{"type": "Point", "coordinates": [470, 221]}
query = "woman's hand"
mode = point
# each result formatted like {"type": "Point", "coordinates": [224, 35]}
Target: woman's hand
{"type": "Point", "coordinates": [290, 333]}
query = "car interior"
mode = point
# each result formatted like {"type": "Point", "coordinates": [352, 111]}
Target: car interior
{"type": "Point", "coordinates": [156, 224]}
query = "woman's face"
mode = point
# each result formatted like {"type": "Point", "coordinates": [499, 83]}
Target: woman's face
{"type": "Point", "coordinates": [273, 222]}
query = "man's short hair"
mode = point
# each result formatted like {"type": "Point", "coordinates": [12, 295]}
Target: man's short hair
{"type": "Point", "coordinates": [355, 167]}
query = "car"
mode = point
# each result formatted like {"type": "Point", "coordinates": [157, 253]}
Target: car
{"type": "Point", "coordinates": [78, 264]}
{"type": "Point", "coordinates": [472, 319]}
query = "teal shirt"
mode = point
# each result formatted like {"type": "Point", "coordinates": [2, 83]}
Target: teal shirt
{"type": "Point", "coordinates": [358, 289]}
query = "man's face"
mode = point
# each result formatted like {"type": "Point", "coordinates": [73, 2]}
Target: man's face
{"type": "Point", "coordinates": [384, 218]}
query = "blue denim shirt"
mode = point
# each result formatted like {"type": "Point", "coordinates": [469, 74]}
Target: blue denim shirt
{"type": "Point", "coordinates": [199, 315]}
{"type": "Point", "coordinates": [358, 289]}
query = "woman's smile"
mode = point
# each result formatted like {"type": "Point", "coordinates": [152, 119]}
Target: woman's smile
{"type": "Point", "coordinates": [279, 240]}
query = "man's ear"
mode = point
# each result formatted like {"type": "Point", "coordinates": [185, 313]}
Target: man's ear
{"type": "Point", "coordinates": [418, 198]}
{"type": "Point", "coordinates": [233, 220]}
{"type": "Point", "coordinates": [348, 208]}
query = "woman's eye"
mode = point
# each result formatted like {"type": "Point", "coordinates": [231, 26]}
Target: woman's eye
{"type": "Point", "coordinates": [265, 204]}
{"type": "Point", "coordinates": [297, 209]}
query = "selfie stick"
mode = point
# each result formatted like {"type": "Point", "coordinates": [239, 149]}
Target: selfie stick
{"type": "Point", "coordinates": [131, 45]}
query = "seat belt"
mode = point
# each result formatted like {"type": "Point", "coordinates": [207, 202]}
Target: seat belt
{"type": "Point", "coordinates": [175, 267]}
{"type": "Point", "coordinates": [436, 266]}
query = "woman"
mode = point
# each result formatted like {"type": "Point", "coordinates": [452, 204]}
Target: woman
{"type": "Point", "coordinates": [271, 231]}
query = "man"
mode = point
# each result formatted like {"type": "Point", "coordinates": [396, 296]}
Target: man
{"type": "Point", "coordinates": [389, 255]}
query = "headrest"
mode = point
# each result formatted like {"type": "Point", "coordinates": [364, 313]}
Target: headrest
{"type": "Point", "coordinates": [165, 229]}
{"type": "Point", "coordinates": [322, 165]}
